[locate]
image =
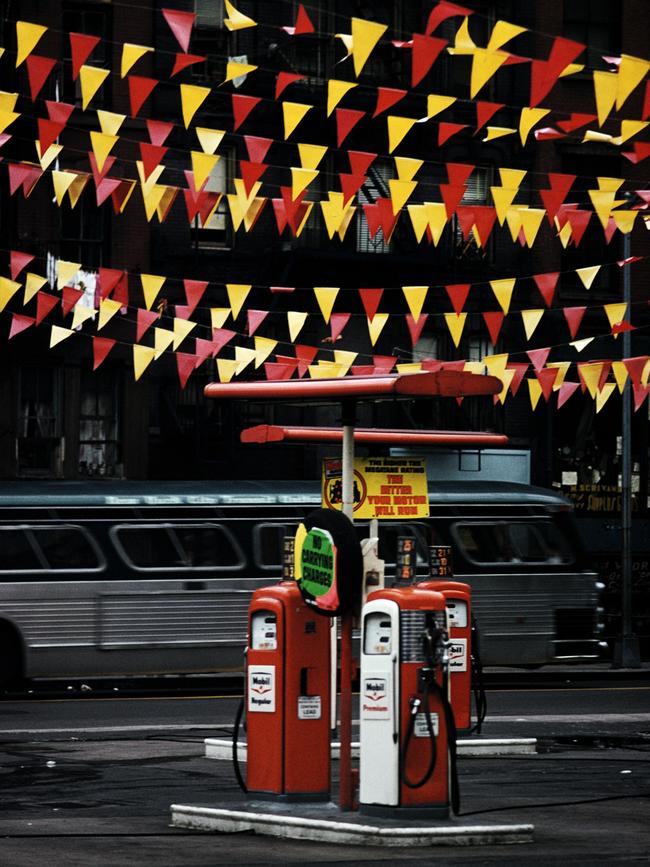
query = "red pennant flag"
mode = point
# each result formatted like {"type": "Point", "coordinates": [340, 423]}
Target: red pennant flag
{"type": "Point", "coordinates": [446, 130]}
{"type": "Point", "coordinates": [546, 378]}
{"type": "Point", "coordinates": [38, 69]}
{"type": "Point", "coordinates": [81, 45]}
{"type": "Point", "coordinates": [350, 185]}
{"type": "Point", "coordinates": [484, 112]}
{"type": "Point", "coordinates": [458, 293]}
{"type": "Point", "coordinates": [346, 119]}
{"type": "Point", "coordinates": [108, 280]}
{"type": "Point", "coordinates": [645, 113]}
{"type": "Point", "coordinates": [303, 22]}
{"type": "Point", "coordinates": [19, 323]}
{"type": "Point", "coordinates": [70, 297]}
{"type": "Point", "coordinates": [242, 107]}
{"type": "Point", "coordinates": [251, 173]}
{"type": "Point", "coordinates": [452, 195]}
{"type": "Point", "coordinates": [120, 194]}
{"type": "Point", "coordinates": [158, 131]}
{"type": "Point", "coordinates": [280, 214]}
{"type": "Point", "coordinates": [194, 290]}
{"type": "Point", "coordinates": [544, 73]}
{"type": "Point", "coordinates": [384, 363]}
{"type": "Point", "coordinates": [305, 356]}
{"type": "Point", "coordinates": [443, 10]}
{"type": "Point", "coordinates": [45, 303]}
{"type": "Point", "coordinates": [575, 121]}
{"type": "Point", "coordinates": [520, 368]}
{"type": "Point", "coordinates": [370, 299]}
{"type": "Point", "coordinates": [465, 218]}
{"type": "Point", "coordinates": [548, 133]}
{"type": "Point", "coordinates": [140, 89]}
{"type": "Point", "coordinates": [151, 156]}
{"type": "Point", "coordinates": [484, 219]}
{"type": "Point", "coordinates": [360, 162]}
{"type": "Point", "coordinates": [18, 261]}
{"type": "Point", "coordinates": [105, 188]}
{"type": "Point", "coordinates": [565, 392]}
{"type": "Point", "coordinates": [604, 373]}
{"type": "Point", "coordinates": [180, 24]}
{"type": "Point", "coordinates": [97, 175]}
{"type": "Point", "coordinates": [48, 132]}
{"type": "Point", "coordinates": [144, 320]}
{"type": "Point", "coordinates": [640, 394]}
{"type": "Point", "coordinates": [387, 97]}
{"type": "Point", "coordinates": [579, 221]}
{"type": "Point", "coordinates": [257, 147]}
{"type": "Point", "coordinates": [554, 198]}
{"type": "Point", "coordinates": [59, 112]}
{"type": "Point", "coordinates": [203, 349]}
{"type": "Point", "coordinates": [220, 337]}
{"type": "Point", "coordinates": [458, 173]}
{"type": "Point", "coordinates": [279, 371]}
{"type": "Point", "coordinates": [620, 327]}
{"type": "Point", "coordinates": [415, 328]}
{"type": "Point", "coordinates": [101, 347]}
{"type": "Point", "coordinates": [426, 50]}
{"type": "Point", "coordinates": [539, 356]}
{"type": "Point", "coordinates": [186, 364]}
{"type": "Point", "coordinates": [284, 79]}
{"type": "Point", "coordinates": [493, 322]}
{"type": "Point", "coordinates": [362, 369]}
{"type": "Point", "coordinates": [20, 175]}
{"type": "Point", "coordinates": [387, 219]}
{"type": "Point", "coordinates": [635, 367]}
{"type": "Point", "coordinates": [182, 61]}
{"type": "Point", "coordinates": [338, 321]}
{"type": "Point", "coordinates": [641, 151]}
{"type": "Point", "coordinates": [255, 319]}
{"type": "Point", "coordinates": [546, 284]}
{"type": "Point", "coordinates": [282, 288]}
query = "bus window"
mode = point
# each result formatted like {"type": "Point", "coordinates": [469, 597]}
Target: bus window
{"type": "Point", "coordinates": [16, 551]}
{"type": "Point", "coordinates": [65, 548]}
{"type": "Point", "coordinates": [500, 542]}
{"type": "Point", "coordinates": [268, 542]}
{"type": "Point", "coordinates": [148, 547]}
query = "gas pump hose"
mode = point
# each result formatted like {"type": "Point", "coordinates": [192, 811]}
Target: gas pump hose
{"type": "Point", "coordinates": [433, 756]}
{"type": "Point", "coordinates": [478, 684]}
{"type": "Point", "coordinates": [235, 744]}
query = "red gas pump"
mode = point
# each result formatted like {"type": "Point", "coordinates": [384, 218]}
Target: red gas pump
{"type": "Point", "coordinates": [287, 697]}
{"type": "Point", "coordinates": [407, 731]}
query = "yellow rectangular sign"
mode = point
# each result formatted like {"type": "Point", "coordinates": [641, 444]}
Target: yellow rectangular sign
{"type": "Point", "coordinates": [385, 488]}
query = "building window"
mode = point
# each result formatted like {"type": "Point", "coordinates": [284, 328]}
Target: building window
{"type": "Point", "coordinates": [99, 448]}
{"type": "Point", "coordinates": [84, 232]}
{"type": "Point", "coordinates": [595, 23]}
{"type": "Point", "coordinates": [40, 404]}
{"type": "Point", "coordinates": [375, 187]}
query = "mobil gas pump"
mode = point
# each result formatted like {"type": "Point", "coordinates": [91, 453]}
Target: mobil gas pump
{"type": "Point", "coordinates": [407, 732]}
{"type": "Point", "coordinates": [287, 697]}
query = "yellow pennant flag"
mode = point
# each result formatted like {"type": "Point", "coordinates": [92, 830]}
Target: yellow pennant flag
{"type": "Point", "coordinates": [65, 271]}
{"type": "Point", "coordinates": [236, 20]}
{"type": "Point", "coordinates": [80, 315]}
{"type": "Point", "coordinates": [495, 364]}
{"type": "Point", "coordinates": [33, 283]}
{"type": "Point", "coordinates": [130, 55]}
{"type": "Point", "coordinates": [564, 234]}
{"type": "Point", "coordinates": [345, 222]}
{"type": "Point", "coordinates": [610, 184]}
{"type": "Point", "coordinates": [57, 334]}
{"type": "Point", "coordinates": [529, 117]}
{"type": "Point", "coordinates": [579, 345]}
{"type": "Point", "coordinates": [400, 192]}
{"type": "Point", "coordinates": [604, 395]}
{"type": "Point", "coordinates": [252, 212]}
{"type": "Point", "coordinates": [620, 374]}
{"type": "Point", "coordinates": [326, 296]}
{"type": "Point", "coordinates": [264, 346]}
{"type": "Point", "coordinates": [376, 326]}
{"type": "Point", "coordinates": [182, 327]}
{"type": "Point", "coordinates": [591, 374]}
{"type": "Point", "coordinates": [502, 32]}
{"type": "Point", "coordinates": [8, 289]}
{"type": "Point", "coordinates": [202, 165]}
{"type": "Point", "coordinates": [152, 200]}
{"type": "Point", "coordinates": [311, 155]}
{"type": "Point", "coordinates": [631, 72]}
{"type": "Point", "coordinates": [493, 132]}
{"type": "Point", "coordinates": [142, 358]}
{"type": "Point", "coordinates": [91, 79]}
{"type": "Point", "coordinates": [437, 213]}
{"type": "Point", "coordinates": [437, 103]}
{"type": "Point", "coordinates": [407, 167]}
{"type": "Point", "coordinates": [209, 139]}
{"type": "Point", "coordinates": [503, 292]}
{"type": "Point", "coordinates": [502, 198]}
{"type": "Point", "coordinates": [336, 90]}
{"type": "Point", "coordinates": [162, 339]}
{"type": "Point", "coordinates": [192, 98]}
{"type": "Point", "coordinates": [293, 113]}
{"type": "Point", "coordinates": [7, 117]}
{"type": "Point", "coordinates": [110, 122]}
{"type": "Point", "coordinates": [345, 360]}
{"type": "Point", "coordinates": [335, 212]}
{"type": "Point", "coordinates": [419, 220]}
{"type": "Point", "coordinates": [588, 275]}
{"type": "Point", "coordinates": [102, 145]}
{"type": "Point", "coordinates": [226, 368]}
{"type": "Point", "coordinates": [531, 220]}
{"type": "Point", "coordinates": [630, 128]}
{"type": "Point", "coordinates": [506, 378]}
{"type": "Point", "coordinates": [235, 69]}
{"type": "Point", "coordinates": [512, 178]}
{"type": "Point", "coordinates": [484, 65]}
{"type": "Point", "coordinates": [534, 391]}
{"type": "Point", "coordinates": [28, 36]}
{"type": "Point", "coordinates": [295, 320]}
{"type": "Point", "coordinates": [243, 357]}
{"type": "Point", "coordinates": [463, 44]}
{"type": "Point", "coordinates": [218, 316]}
{"type": "Point", "coordinates": [8, 101]}
{"type": "Point", "coordinates": [324, 370]}
{"type": "Point", "coordinates": [415, 297]}
{"type": "Point", "coordinates": [624, 220]}
{"type": "Point", "coordinates": [456, 324]}
{"type": "Point", "coordinates": [151, 286]}
{"type": "Point", "coordinates": [365, 36]}
{"type": "Point", "coordinates": [604, 201]}
{"type": "Point", "coordinates": [302, 225]}
{"type": "Point", "coordinates": [237, 294]}
{"type": "Point", "coordinates": [615, 313]}
{"type": "Point", "coordinates": [531, 319]}
{"type": "Point", "coordinates": [50, 154]}
{"type": "Point", "coordinates": [61, 182]}
{"type": "Point", "coordinates": [606, 89]}
{"type": "Point", "coordinates": [409, 367]}
{"type": "Point", "coordinates": [301, 179]}
{"type": "Point", "coordinates": [107, 309]}
{"type": "Point", "coordinates": [562, 368]}
{"type": "Point", "coordinates": [514, 220]}
{"type": "Point", "coordinates": [397, 129]}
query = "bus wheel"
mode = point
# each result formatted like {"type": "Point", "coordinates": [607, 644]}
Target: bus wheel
{"type": "Point", "coordinates": [11, 656]}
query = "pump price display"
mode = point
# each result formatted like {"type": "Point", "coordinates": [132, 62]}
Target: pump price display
{"type": "Point", "coordinates": [392, 488]}
{"type": "Point", "coordinates": [440, 561]}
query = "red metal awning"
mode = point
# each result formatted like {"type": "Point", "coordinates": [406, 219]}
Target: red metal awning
{"type": "Point", "coordinates": [269, 433]}
{"type": "Point", "coordinates": [440, 383]}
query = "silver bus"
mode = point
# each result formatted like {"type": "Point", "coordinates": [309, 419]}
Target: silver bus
{"type": "Point", "coordinates": [132, 578]}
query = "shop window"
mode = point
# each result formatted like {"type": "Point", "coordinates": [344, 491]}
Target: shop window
{"type": "Point", "coordinates": [99, 447]}
{"type": "Point", "coordinates": [40, 409]}
{"type": "Point", "coordinates": [84, 232]}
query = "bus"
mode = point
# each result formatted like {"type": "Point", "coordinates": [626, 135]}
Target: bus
{"type": "Point", "coordinates": [106, 579]}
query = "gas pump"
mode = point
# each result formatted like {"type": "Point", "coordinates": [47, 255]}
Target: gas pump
{"type": "Point", "coordinates": [407, 731]}
{"type": "Point", "coordinates": [287, 697]}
